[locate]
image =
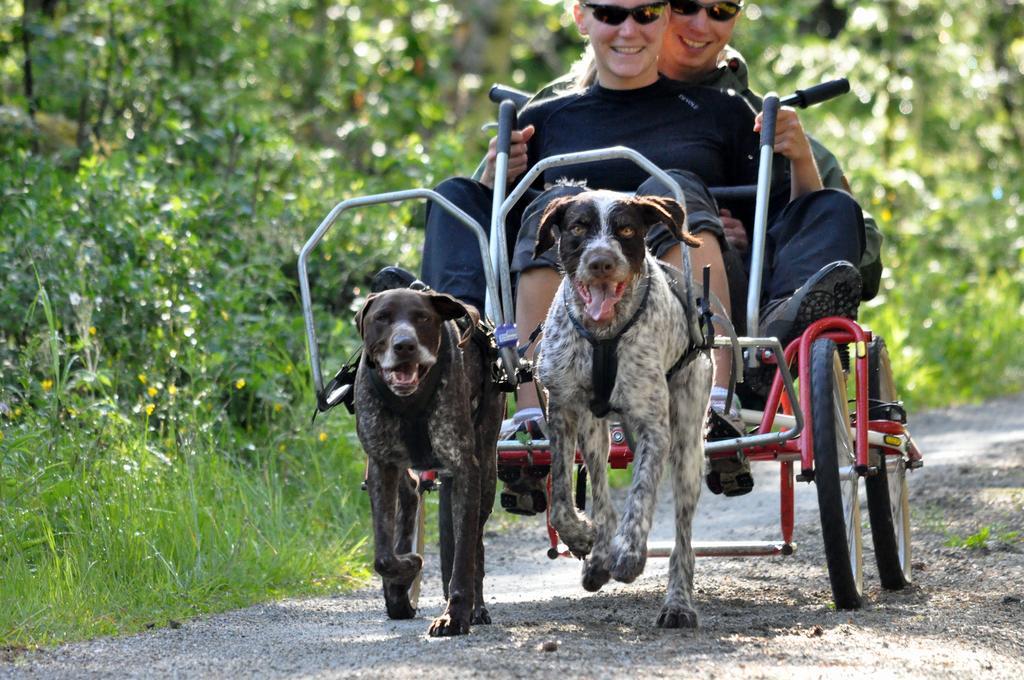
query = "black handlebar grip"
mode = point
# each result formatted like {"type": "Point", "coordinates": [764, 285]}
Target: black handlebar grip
{"type": "Point", "coordinates": [506, 124]}
{"type": "Point", "coordinates": [818, 93]}
{"type": "Point", "coordinates": [770, 111]}
{"type": "Point", "coordinates": [499, 93]}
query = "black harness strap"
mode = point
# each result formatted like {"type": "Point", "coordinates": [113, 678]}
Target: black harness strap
{"type": "Point", "coordinates": [699, 340]}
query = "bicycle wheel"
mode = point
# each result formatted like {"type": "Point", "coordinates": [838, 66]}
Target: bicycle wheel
{"type": "Point", "coordinates": [887, 493]}
{"type": "Point", "coordinates": [834, 476]}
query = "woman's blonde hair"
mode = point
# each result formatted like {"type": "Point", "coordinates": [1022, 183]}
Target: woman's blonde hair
{"type": "Point", "coordinates": [583, 72]}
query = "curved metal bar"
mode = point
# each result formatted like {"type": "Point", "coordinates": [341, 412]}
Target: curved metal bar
{"type": "Point", "coordinates": [767, 438]}
{"type": "Point", "coordinates": [595, 156]}
{"type": "Point", "coordinates": [764, 180]}
{"type": "Point", "coordinates": [377, 199]}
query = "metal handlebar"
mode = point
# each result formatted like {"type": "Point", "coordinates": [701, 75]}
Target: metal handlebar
{"type": "Point", "coordinates": [817, 94]}
{"type": "Point", "coordinates": [770, 111]}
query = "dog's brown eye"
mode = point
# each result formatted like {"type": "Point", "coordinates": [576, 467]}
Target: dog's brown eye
{"type": "Point", "coordinates": [627, 232]}
{"type": "Point", "coordinates": [578, 229]}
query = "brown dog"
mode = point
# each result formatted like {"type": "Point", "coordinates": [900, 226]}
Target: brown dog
{"type": "Point", "coordinates": [424, 399]}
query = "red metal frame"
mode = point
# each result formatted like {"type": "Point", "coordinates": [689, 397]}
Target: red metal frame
{"type": "Point", "coordinates": [798, 352]}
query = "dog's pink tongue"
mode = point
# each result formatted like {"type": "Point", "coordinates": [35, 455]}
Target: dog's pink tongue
{"type": "Point", "coordinates": [602, 302]}
{"type": "Point", "coordinates": [406, 376]}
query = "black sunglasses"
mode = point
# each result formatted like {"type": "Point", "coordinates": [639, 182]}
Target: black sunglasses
{"type": "Point", "coordinates": [718, 11]}
{"type": "Point", "coordinates": [613, 15]}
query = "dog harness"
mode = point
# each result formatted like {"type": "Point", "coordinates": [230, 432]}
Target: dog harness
{"type": "Point", "coordinates": [605, 365]}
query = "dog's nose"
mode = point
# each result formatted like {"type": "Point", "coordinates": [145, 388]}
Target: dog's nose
{"type": "Point", "coordinates": [404, 346]}
{"type": "Point", "coordinates": [600, 266]}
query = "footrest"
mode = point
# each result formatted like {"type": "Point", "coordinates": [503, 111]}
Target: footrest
{"type": "Point", "coordinates": [725, 548]}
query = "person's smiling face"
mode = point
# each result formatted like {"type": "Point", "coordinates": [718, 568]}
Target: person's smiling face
{"type": "Point", "coordinates": [626, 54]}
{"type": "Point", "coordinates": [692, 45]}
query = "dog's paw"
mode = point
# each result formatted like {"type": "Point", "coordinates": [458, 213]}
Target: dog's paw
{"type": "Point", "coordinates": [480, 616]}
{"type": "Point", "coordinates": [677, 616]}
{"type": "Point", "coordinates": [595, 575]}
{"type": "Point", "coordinates": [396, 599]}
{"type": "Point", "coordinates": [578, 538]}
{"type": "Point", "coordinates": [575, 530]}
{"type": "Point", "coordinates": [627, 563]}
{"type": "Point", "coordinates": [448, 625]}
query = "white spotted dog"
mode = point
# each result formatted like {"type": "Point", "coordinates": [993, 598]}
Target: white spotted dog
{"type": "Point", "coordinates": [620, 338]}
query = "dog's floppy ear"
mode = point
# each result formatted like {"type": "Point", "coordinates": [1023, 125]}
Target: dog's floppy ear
{"type": "Point", "coordinates": [361, 314]}
{"type": "Point", "coordinates": [451, 308]}
{"type": "Point", "coordinates": [669, 212]}
{"type": "Point", "coordinates": [553, 215]}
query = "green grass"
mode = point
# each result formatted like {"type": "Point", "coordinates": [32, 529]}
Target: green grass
{"type": "Point", "coordinates": [112, 533]}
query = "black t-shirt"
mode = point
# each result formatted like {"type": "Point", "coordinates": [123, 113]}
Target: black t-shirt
{"type": "Point", "coordinates": [676, 126]}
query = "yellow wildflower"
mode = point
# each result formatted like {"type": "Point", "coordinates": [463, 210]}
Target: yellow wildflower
{"type": "Point", "coordinates": [240, 383]}
{"type": "Point", "coordinates": [278, 408]}
{"type": "Point", "coordinates": [151, 391]}
{"type": "Point", "coordinates": [142, 378]}
{"type": "Point", "coordinates": [172, 390]}
{"type": "Point", "coordinates": [47, 385]}
{"type": "Point", "coordinates": [323, 436]}
{"type": "Point", "coordinates": [92, 330]}
{"type": "Point", "coordinates": [150, 408]}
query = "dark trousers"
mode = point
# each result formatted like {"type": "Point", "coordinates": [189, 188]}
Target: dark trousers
{"type": "Point", "coordinates": [810, 232]}
{"type": "Point", "coordinates": [451, 255]}
{"type": "Point", "coordinates": [807, 234]}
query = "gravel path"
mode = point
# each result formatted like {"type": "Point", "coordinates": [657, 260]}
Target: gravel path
{"type": "Point", "coordinates": [770, 618]}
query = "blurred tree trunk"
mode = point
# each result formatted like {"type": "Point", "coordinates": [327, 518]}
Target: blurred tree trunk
{"type": "Point", "coordinates": [315, 69]}
{"type": "Point", "coordinates": [181, 37]}
{"type": "Point", "coordinates": [483, 45]}
{"type": "Point", "coordinates": [1006, 23]}
{"type": "Point", "coordinates": [26, 45]}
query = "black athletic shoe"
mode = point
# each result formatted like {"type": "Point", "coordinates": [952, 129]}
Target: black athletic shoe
{"type": "Point", "coordinates": [833, 291]}
{"type": "Point", "coordinates": [729, 475]}
{"type": "Point", "coordinates": [390, 278]}
{"type": "Point", "coordinates": [525, 491]}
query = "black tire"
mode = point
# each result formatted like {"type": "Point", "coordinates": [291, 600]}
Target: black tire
{"type": "Point", "coordinates": [836, 480]}
{"type": "Point", "coordinates": [887, 493]}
